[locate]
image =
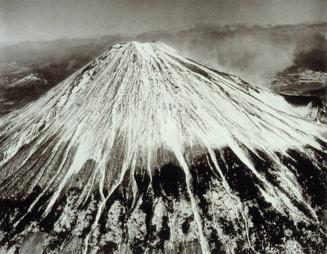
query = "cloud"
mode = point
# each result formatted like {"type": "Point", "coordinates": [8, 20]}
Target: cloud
{"type": "Point", "coordinates": [47, 19]}
{"type": "Point", "coordinates": [311, 53]}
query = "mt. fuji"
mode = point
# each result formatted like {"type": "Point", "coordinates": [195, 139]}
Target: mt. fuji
{"type": "Point", "coordinates": [146, 151]}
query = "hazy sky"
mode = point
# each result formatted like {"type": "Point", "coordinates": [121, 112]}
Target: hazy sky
{"type": "Point", "coordinates": [52, 19]}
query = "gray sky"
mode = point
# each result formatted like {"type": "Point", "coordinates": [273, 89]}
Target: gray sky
{"type": "Point", "coordinates": [53, 19]}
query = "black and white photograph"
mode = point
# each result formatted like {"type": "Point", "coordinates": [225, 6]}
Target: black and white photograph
{"type": "Point", "coordinates": [163, 126]}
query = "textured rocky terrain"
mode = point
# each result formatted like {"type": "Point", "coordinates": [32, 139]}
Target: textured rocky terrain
{"type": "Point", "coordinates": [304, 83]}
{"type": "Point", "coordinates": [145, 151]}
{"type": "Point", "coordinates": [303, 87]}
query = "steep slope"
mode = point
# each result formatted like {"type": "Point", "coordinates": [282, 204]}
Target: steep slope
{"type": "Point", "coordinates": [145, 150]}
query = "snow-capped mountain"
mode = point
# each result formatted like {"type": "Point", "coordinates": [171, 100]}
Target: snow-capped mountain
{"type": "Point", "coordinates": [145, 151]}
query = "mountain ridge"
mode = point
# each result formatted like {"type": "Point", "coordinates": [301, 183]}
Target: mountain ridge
{"type": "Point", "coordinates": [141, 110]}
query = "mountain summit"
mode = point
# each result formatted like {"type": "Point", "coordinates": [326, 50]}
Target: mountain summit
{"type": "Point", "coordinates": [144, 150]}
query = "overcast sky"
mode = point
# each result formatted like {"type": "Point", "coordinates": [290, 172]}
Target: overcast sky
{"type": "Point", "coordinates": [52, 19]}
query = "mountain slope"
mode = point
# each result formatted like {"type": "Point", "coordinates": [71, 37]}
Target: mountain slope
{"type": "Point", "coordinates": [144, 150]}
